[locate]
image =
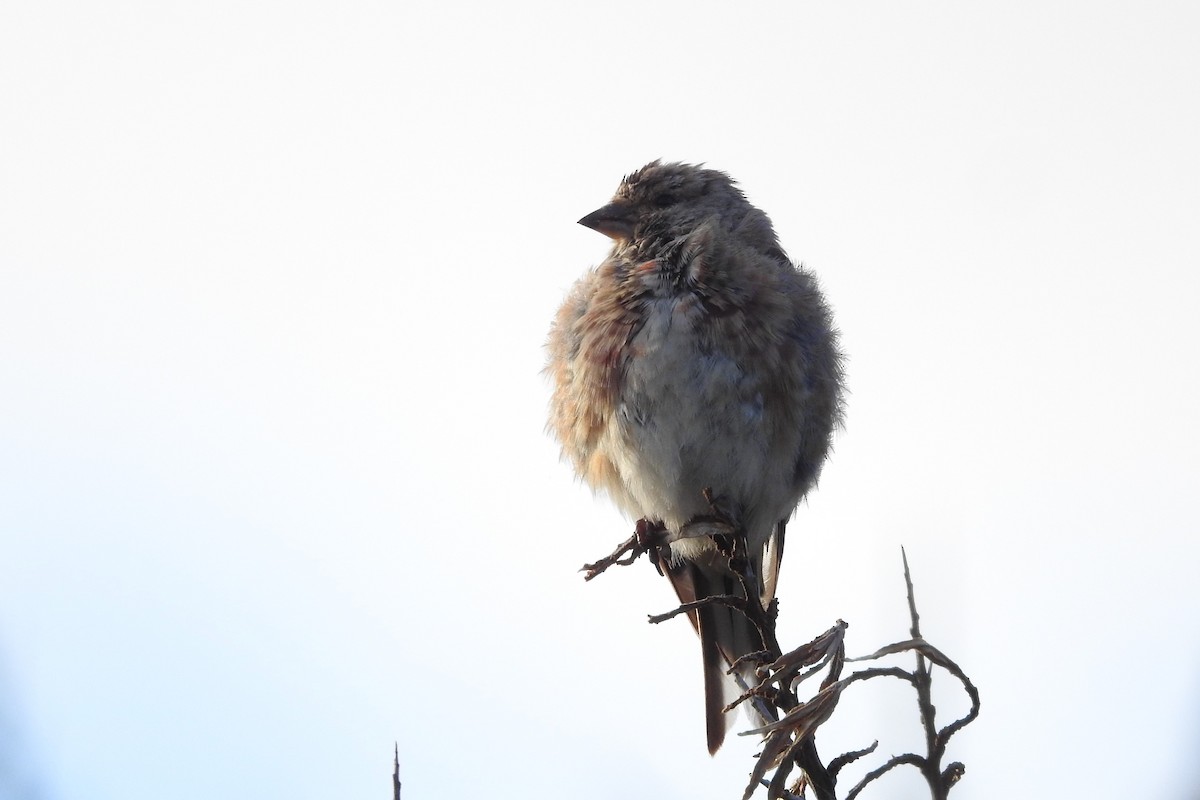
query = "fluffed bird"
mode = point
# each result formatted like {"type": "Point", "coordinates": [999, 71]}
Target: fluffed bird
{"type": "Point", "coordinates": [698, 358]}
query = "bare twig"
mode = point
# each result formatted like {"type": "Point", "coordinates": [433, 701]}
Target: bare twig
{"type": "Point", "coordinates": [894, 761]}
{"type": "Point", "coordinates": [630, 545]}
{"type": "Point", "coordinates": [647, 538]}
{"type": "Point", "coordinates": [835, 766]}
{"type": "Point", "coordinates": [791, 738]}
{"type": "Point", "coordinates": [396, 773]}
{"type": "Point", "coordinates": [730, 600]}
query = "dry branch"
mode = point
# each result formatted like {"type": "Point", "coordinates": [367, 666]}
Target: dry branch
{"type": "Point", "coordinates": [789, 734]}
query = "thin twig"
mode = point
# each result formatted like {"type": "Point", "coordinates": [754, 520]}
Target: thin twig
{"type": "Point", "coordinates": [396, 773]}
{"type": "Point", "coordinates": [630, 545]}
{"type": "Point", "coordinates": [894, 761]}
{"type": "Point", "coordinates": [712, 600]}
{"type": "Point", "coordinates": [835, 766]}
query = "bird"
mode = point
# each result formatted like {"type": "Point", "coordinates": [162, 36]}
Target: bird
{"type": "Point", "coordinates": [698, 368]}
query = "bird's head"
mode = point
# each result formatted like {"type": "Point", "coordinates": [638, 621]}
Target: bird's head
{"type": "Point", "coordinates": [662, 204]}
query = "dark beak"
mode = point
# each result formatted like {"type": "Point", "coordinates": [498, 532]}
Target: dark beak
{"type": "Point", "coordinates": [614, 220]}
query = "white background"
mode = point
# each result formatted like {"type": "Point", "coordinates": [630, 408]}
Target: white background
{"type": "Point", "coordinates": [274, 487]}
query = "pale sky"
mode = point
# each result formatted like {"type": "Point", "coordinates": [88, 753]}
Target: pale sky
{"type": "Point", "coordinates": [275, 491]}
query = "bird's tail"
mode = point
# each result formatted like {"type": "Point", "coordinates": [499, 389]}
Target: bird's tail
{"type": "Point", "coordinates": [725, 636]}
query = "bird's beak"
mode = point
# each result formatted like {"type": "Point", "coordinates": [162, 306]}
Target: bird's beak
{"type": "Point", "coordinates": [614, 220]}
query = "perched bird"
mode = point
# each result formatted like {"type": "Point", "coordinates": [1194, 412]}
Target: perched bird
{"type": "Point", "coordinates": [697, 358]}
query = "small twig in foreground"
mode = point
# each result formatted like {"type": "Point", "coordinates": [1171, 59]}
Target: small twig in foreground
{"type": "Point", "coordinates": [396, 773]}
